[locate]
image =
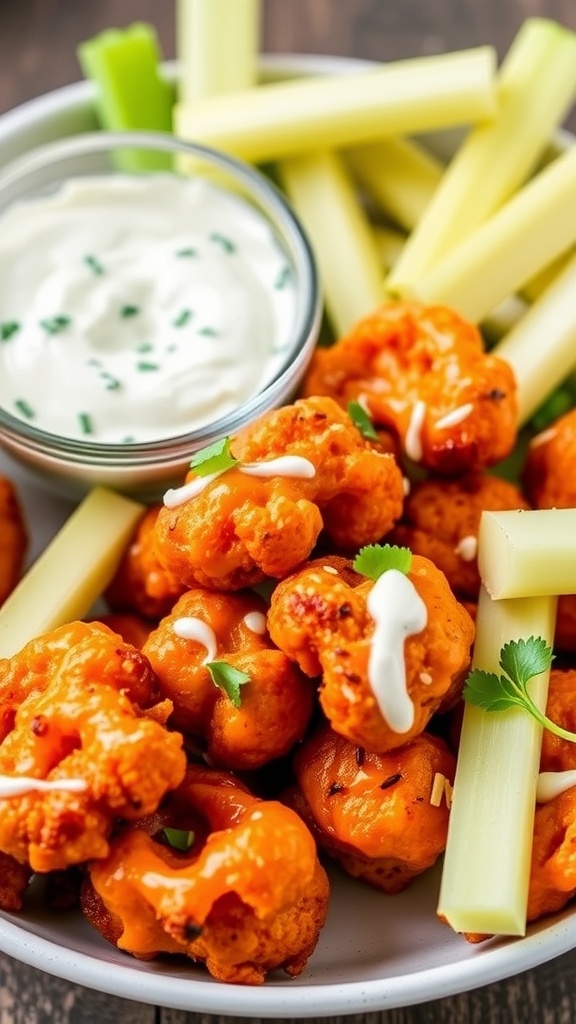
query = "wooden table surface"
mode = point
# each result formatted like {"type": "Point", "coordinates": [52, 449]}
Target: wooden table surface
{"type": "Point", "coordinates": [37, 53]}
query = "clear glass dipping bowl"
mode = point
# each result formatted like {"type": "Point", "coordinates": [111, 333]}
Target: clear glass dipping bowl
{"type": "Point", "coordinates": [146, 469]}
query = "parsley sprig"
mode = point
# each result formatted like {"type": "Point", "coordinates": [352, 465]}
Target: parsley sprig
{"type": "Point", "coordinates": [375, 559]}
{"type": "Point", "coordinates": [520, 661]}
{"type": "Point", "coordinates": [229, 679]}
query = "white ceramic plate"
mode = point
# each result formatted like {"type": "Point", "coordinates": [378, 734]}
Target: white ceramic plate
{"type": "Point", "coordinates": [376, 952]}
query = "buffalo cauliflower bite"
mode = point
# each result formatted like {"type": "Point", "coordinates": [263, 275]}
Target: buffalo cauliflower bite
{"type": "Point", "coordinates": [321, 620]}
{"type": "Point", "coordinates": [248, 897]}
{"type": "Point", "coordinates": [141, 583]}
{"type": "Point", "coordinates": [241, 528]}
{"type": "Point", "coordinates": [377, 814]}
{"type": "Point", "coordinates": [77, 704]}
{"type": "Point", "coordinates": [548, 476]}
{"type": "Point", "coordinates": [13, 538]}
{"type": "Point", "coordinates": [422, 372]}
{"type": "Point", "coordinates": [441, 520]}
{"type": "Point", "coordinates": [273, 706]}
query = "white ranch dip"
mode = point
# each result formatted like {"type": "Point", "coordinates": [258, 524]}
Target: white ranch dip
{"type": "Point", "coordinates": [138, 309]}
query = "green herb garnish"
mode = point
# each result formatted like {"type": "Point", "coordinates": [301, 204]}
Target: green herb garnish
{"type": "Point", "coordinates": [215, 458]}
{"type": "Point", "coordinates": [8, 329]}
{"type": "Point", "coordinates": [226, 243]}
{"type": "Point", "coordinates": [229, 679]}
{"type": "Point", "coordinates": [183, 253]}
{"type": "Point", "coordinates": [179, 838]}
{"type": "Point", "coordinates": [26, 409]}
{"type": "Point", "coordinates": [208, 332]}
{"type": "Point", "coordinates": [282, 278]}
{"type": "Point", "coordinates": [55, 324]}
{"type": "Point", "coordinates": [183, 318]}
{"type": "Point", "coordinates": [375, 559]}
{"type": "Point", "coordinates": [127, 311]}
{"type": "Point", "coordinates": [362, 421]}
{"type": "Point", "coordinates": [520, 661]}
{"type": "Point", "coordinates": [94, 265]}
{"type": "Point", "coordinates": [110, 383]}
{"type": "Point", "coordinates": [85, 423]}
{"type": "Point", "coordinates": [147, 367]}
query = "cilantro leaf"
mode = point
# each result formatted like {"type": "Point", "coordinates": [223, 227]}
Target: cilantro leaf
{"type": "Point", "coordinates": [375, 559]}
{"type": "Point", "coordinates": [229, 679]}
{"type": "Point", "coordinates": [524, 659]}
{"type": "Point", "coordinates": [362, 421]}
{"type": "Point", "coordinates": [215, 458]}
{"type": "Point", "coordinates": [489, 691]}
{"type": "Point", "coordinates": [179, 838]}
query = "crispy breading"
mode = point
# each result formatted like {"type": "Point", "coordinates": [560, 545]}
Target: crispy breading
{"type": "Point", "coordinates": [242, 528]}
{"type": "Point", "coordinates": [441, 520]}
{"type": "Point", "coordinates": [553, 866]}
{"type": "Point", "coordinates": [141, 583]}
{"type": "Point", "coordinates": [14, 878]}
{"type": "Point", "coordinates": [372, 812]}
{"type": "Point", "coordinates": [414, 367]}
{"type": "Point", "coordinates": [13, 538]}
{"type": "Point", "coordinates": [250, 896]}
{"type": "Point", "coordinates": [548, 476]}
{"type": "Point", "coordinates": [77, 703]}
{"type": "Point", "coordinates": [320, 619]}
{"type": "Point", "coordinates": [275, 705]}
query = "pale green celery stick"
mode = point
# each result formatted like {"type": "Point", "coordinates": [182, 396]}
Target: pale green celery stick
{"type": "Point", "coordinates": [131, 93]}
{"type": "Point", "coordinates": [541, 347]}
{"type": "Point", "coordinates": [326, 202]}
{"type": "Point", "coordinates": [528, 553]}
{"type": "Point", "coordinates": [389, 243]}
{"type": "Point", "coordinates": [72, 571]}
{"type": "Point", "coordinates": [533, 289]}
{"type": "Point", "coordinates": [502, 319]}
{"type": "Point", "coordinates": [398, 175]}
{"type": "Point", "coordinates": [486, 869]}
{"type": "Point", "coordinates": [534, 227]}
{"type": "Point", "coordinates": [289, 118]}
{"type": "Point", "coordinates": [217, 44]}
{"type": "Point", "coordinates": [536, 86]}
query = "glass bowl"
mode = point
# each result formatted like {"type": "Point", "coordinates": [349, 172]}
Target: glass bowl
{"type": "Point", "coordinates": [144, 465]}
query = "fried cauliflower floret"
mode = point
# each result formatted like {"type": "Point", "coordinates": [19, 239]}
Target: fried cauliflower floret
{"type": "Point", "coordinates": [441, 520]}
{"type": "Point", "coordinates": [241, 528]}
{"type": "Point", "coordinates": [323, 622]}
{"type": "Point", "coordinates": [422, 372]}
{"type": "Point", "coordinates": [250, 895]}
{"type": "Point", "coordinates": [78, 704]}
{"type": "Point", "coordinates": [13, 538]}
{"type": "Point", "coordinates": [548, 476]}
{"type": "Point", "coordinates": [14, 878]}
{"type": "Point", "coordinates": [272, 708]}
{"type": "Point", "coordinates": [557, 754]}
{"type": "Point", "coordinates": [373, 812]}
{"type": "Point", "coordinates": [141, 583]}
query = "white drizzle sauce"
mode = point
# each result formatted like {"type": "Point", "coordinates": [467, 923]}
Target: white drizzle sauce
{"type": "Point", "coordinates": [19, 785]}
{"type": "Point", "coordinates": [191, 628]}
{"type": "Point", "coordinates": [255, 622]}
{"type": "Point", "coordinates": [552, 784]}
{"type": "Point", "coordinates": [133, 309]}
{"type": "Point", "coordinates": [451, 419]}
{"type": "Point", "coordinates": [398, 611]}
{"type": "Point", "coordinates": [285, 465]}
{"type": "Point", "coordinates": [413, 438]}
{"type": "Point", "coordinates": [467, 548]}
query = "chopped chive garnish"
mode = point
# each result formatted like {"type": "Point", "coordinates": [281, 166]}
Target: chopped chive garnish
{"type": "Point", "coordinates": [226, 243]}
{"type": "Point", "coordinates": [145, 367]}
{"type": "Point", "coordinates": [94, 265]}
{"type": "Point", "coordinates": [23, 407]}
{"type": "Point", "coordinates": [283, 278]}
{"type": "Point", "coordinates": [208, 332]}
{"type": "Point", "coordinates": [183, 318]}
{"type": "Point", "coordinates": [85, 423]}
{"type": "Point", "coordinates": [129, 439]}
{"type": "Point", "coordinates": [110, 383]}
{"type": "Point", "coordinates": [183, 253]}
{"type": "Point", "coordinates": [8, 329]}
{"type": "Point", "coordinates": [145, 347]}
{"type": "Point", "coordinates": [55, 324]}
{"type": "Point", "coordinates": [94, 362]}
{"type": "Point", "coordinates": [128, 311]}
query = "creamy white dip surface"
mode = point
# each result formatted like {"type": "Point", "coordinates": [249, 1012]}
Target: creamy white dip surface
{"type": "Point", "coordinates": [134, 309]}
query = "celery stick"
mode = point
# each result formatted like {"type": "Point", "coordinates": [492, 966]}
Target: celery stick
{"type": "Point", "coordinates": [503, 318]}
{"type": "Point", "coordinates": [289, 118]}
{"type": "Point", "coordinates": [487, 861]}
{"type": "Point", "coordinates": [523, 236]}
{"type": "Point", "coordinates": [217, 44]}
{"type": "Point", "coordinates": [536, 85]}
{"type": "Point", "coordinates": [72, 571]}
{"type": "Point", "coordinates": [528, 553]}
{"type": "Point", "coordinates": [326, 202]}
{"type": "Point", "coordinates": [389, 243]}
{"type": "Point", "coordinates": [533, 288]}
{"type": "Point", "coordinates": [398, 175]}
{"type": "Point", "coordinates": [541, 347]}
{"type": "Point", "coordinates": [131, 93]}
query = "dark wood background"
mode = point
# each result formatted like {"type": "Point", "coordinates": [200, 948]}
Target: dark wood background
{"type": "Point", "coordinates": [37, 53]}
